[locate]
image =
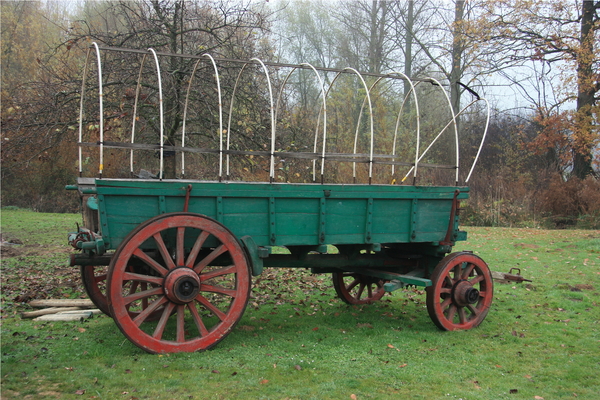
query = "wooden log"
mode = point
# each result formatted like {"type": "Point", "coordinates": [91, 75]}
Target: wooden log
{"type": "Point", "coordinates": [84, 314]}
{"type": "Point", "coordinates": [45, 311]}
{"type": "Point", "coordinates": [85, 303]}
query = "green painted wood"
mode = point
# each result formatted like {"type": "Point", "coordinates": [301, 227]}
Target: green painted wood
{"type": "Point", "coordinates": [285, 214]}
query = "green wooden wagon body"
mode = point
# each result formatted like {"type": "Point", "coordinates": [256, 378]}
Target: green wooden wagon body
{"type": "Point", "coordinates": [287, 214]}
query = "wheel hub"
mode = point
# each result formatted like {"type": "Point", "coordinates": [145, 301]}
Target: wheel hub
{"type": "Point", "coordinates": [464, 293]}
{"type": "Point", "coordinates": [182, 285]}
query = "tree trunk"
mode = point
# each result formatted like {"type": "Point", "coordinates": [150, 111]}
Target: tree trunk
{"type": "Point", "coordinates": [410, 20]}
{"type": "Point", "coordinates": [457, 53]}
{"type": "Point", "coordinates": [586, 90]}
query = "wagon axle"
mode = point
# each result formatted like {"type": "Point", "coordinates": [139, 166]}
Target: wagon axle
{"type": "Point", "coordinates": [181, 285]}
{"type": "Point", "coordinates": [464, 293]}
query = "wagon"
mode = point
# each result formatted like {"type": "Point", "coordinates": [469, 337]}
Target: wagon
{"type": "Point", "coordinates": [172, 260]}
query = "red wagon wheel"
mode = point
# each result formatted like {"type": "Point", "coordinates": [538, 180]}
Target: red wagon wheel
{"type": "Point", "coordinates": [462, 292]}
{"type": "Point", "coordinates": [354, 288]}
{"type": "Point", "coordinates": [190, 269]}
{"type": "Point", "coordinates": [94, 282]}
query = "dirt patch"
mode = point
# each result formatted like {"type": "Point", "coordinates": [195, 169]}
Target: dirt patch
{"type": "Point", "coordinates": [580, 287]}
{"type": "Point", "coordinates": [10, 250]}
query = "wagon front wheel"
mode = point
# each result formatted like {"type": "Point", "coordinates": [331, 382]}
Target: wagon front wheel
{"type": "Point", "coordinates": [191, 270]}
{"type": "Point", "coordinates": [461, 292]}
{"type": "Point", "coordinates": [354, 288]}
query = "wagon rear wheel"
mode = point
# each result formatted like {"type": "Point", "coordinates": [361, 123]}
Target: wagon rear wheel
{"type": "Point", "coordinates": [355, 288]}
{"type": "Point", "coordinates": [461, 293]}
{"type": "Point", "coordinates": [94, 282]}
{"type": "Point", "coordinates": [190, 269]}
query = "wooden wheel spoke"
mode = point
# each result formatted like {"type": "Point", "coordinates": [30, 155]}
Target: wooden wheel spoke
{"type": "Point", "coordinates": [445, 290]}
{"type": "Point", "coordinates": [143, 288]}
{"type": "Point", "coordinates": [179, 251]}
{"type": "Point", "coordinates": [449, 282]}
{"type": "Point", "coordinates": [369, 291]}
{"type": "Point", "coordinates": [150, 262]}
{"type": "Point", "coordinates": [100, 278]}
{"type": "Point", "coordinates": [162, 323]}
{"type": "Point", "coordinates": [141, 295]}
{"type": "Point", "coordinates": [467, 271]}
{"type": "Point", "coordinates": [477, 279]}
{"type": "Point", "coordinates": [212, 308]}
{"type": "Point", "coordinates": [134, 286]}
{"type": "Point", "coordinates": [196, 249]}
{"type": "Point", "coordinates": [352, 285]}
{"type": "Point", "coordinates": [141, 317]}
{"type": "Point", "coordinates": [180, 323]}
{"type": "Point", "coordinates": [451, 312]}
{"type": "Point", "coordinates": [447, 301]}
{"type": "Point", "coordinates": [210, 258]}
{"type": "Point", "coordinates": [217, 289]}
{"type": "Point", "coordinates": [462, 315]}
{"type": "Point", "coordinates": [197, 319]}
{"type": "Point", "coordinates": [164, 252]}
{"type": "Point", "coordinates": [143, 278]}
{"type": "Point", "coordinates": [457, 270]}
{"type": "Point", "coordinates": [361, 289]}
{"type": "Point", "coordinates": [473, 310]}
{"type": "Point", "coordinates": [218, 272]}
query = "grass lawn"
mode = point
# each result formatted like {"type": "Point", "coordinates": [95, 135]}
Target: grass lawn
{"type": "Point", "coordinates": [296, 340]}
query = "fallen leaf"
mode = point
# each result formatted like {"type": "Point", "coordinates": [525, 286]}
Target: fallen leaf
{"type": "Point", "coordinates": [81, 330]}
{"type": "Point", "coordinates": [214, 371]}
{"type": "Point", "coordinates": [402, 366]}
{"type": "Point", "coordinates": [390, 346]}
{"type": "Point", "coordinates": [513, 391]}
{"type": "Point", "coordinates": [353, 396]}
{"type": "Point", "coordinates": [264, 381]}
{"type": "Point", "coordinates": [538, 398]}
{"type": "Point", "coordinates": [246, 328]}
{"type": "Point", "coordinates": [81, 391]}
{"type": "Point", "coordinates": [299, 368]}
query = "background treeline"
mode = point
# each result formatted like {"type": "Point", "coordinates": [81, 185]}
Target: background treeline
{"type": "Point", "coordinates": [536, 61]}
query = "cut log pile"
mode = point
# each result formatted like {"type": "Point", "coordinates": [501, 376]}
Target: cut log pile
{"type": "Point", "coordinates": [61, 310]}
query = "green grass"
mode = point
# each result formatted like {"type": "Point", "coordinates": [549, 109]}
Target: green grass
{"type": "Point", "coordinates": [297, 341]}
